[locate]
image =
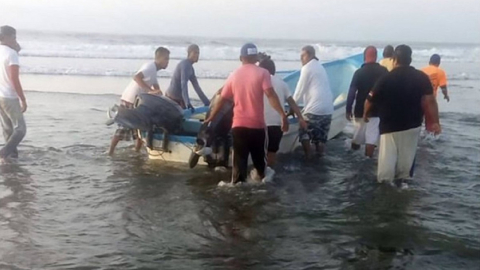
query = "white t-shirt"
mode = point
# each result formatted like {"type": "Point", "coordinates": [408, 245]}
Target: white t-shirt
{"type": "Point", "coordinates": [272, 118]}
{"type": "Point", "coordinates": [313, 89]}
{"type": "Point", "coordinates": [149, 71]}
{"type": "Point", "coordinates": [8, 57]}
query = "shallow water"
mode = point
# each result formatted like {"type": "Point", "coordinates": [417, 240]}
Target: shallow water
{"type": "Point", "coordinates": [66, 205]}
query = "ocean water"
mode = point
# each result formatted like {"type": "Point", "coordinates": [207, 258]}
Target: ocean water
{"type": "Point", "coordinates": [66, 205]}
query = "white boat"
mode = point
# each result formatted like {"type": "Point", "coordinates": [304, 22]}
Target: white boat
{"type": "Point", "coordinates": [180, 146]}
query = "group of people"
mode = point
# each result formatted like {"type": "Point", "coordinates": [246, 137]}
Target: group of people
{"type": "Point", "coordinates": [391, 100]}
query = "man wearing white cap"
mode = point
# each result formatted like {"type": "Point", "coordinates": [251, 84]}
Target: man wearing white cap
{"type": "Point", "coordinates": [246, 86]}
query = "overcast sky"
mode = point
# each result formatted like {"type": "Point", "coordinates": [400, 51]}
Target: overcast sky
{"type": "Point", "coordinates": [343, 20]}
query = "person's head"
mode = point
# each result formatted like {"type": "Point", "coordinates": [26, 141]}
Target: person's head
{"type": "Point", "coordinates": [8, 36]}
{"type": "Point", "coordinates": [249, 53]}
{"type": "Point", "coordinates": [402, 55]}
{"type": "Point", "coordinates": [388, 51]}
{"type": "Point", "coordinates": [370, 54]}
{"type": "Point", "coordinates": [162, 56]}
{"type": "Point", "coordinates": [193, 53]}
{"type": "Point", "coordinates": [269, 65]}
{"type": "Point", "coordinates": [435, 60]}
{"type": "Point", "coordinates": [307, 54]}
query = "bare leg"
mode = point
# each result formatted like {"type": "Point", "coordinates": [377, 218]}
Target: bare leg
{"type": "Point", "coordinates": [271, 159]}
{"type": "Point", "coordinates": [138, 145]}
{"type": "Point", "coordinates": [369, 150]}
{"type": "Point", "coordinates": [320, 148]}
{"type": "Point", "coordinates": [114, 143]}
{"type": "Point", "coordinates": [307, 148]}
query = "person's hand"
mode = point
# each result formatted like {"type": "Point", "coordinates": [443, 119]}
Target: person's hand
{"type": "Point", "coordinates": [291, 113]}
{"type": "Point", "coordinates": [303, 124]}
{"type": "Point", "coordinates": [284, 123]}
{"type": "Point", "coordinates": [447, 98]}
{"type": "Point", "coordinates": [349, 116]}
{"type": "Point", "coordinates": [436, 128]}
{"type": "Point", "coordinates": [23, 105]}
{"type": "Point", "coordinates": [365, 119]}
{"type": "Point", "coordinates": [192, 109]}
{"type": "Point", "coordinates": [156, 92]}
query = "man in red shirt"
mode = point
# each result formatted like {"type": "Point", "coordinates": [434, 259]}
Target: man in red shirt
{"type": "Point", "coordinates": [246, 86]}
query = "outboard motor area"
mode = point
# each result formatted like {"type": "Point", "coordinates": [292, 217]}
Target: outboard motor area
{"type": "Point", "coordinates": [214, 140]}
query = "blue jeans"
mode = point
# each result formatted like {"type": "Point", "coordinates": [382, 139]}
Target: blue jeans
{"type": "Point", "coordinates": [13, 124]}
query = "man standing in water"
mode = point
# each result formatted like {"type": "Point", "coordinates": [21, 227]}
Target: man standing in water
{"type": "Point", "coordinates": [184, 72]}
{"type": "Point", "coordinates": [272, 120]}
{"type": "Point", "coordinates": [387, 60]}
{"type": "Point", "coordinates": [12, 99]}
{"type": "Point", "coordinates": [362, 83]}
{"type": "Point", "coordinates": [144, 81]}
{"type": "Point", "coordinates": [402, 97]}
{"type": "Point", "coordinates": [313, 90]}
{"type": "Point", "coordinates": [246, 86]}
{"type": "Point", "coordinates": [437, 76]}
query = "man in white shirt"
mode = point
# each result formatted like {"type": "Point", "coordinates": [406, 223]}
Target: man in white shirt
{"type": "Point", "coordinates": [272, 119]}
{"type": "Point", "coordinates": [313, 91]}
{"type": "Point", "coordinates": [12, 99]}
{"type": "Point", "coordinates": [144, 81]}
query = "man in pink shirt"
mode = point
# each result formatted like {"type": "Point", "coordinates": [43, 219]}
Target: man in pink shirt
{"type": "Point", "coordinates": [246, 86]}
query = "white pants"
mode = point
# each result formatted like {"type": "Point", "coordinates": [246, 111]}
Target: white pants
{"type": "Point", "coordinates": [366, 133]}
{"type": "Point", "coordinates": [397, 154]}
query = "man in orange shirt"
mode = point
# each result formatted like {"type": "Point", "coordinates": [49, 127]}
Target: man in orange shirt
{"type": "Point", "coordinates": [437, 76]}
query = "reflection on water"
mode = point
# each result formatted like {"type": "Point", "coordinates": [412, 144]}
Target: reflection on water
{"type": "Point", "coordinates": [66, 205]}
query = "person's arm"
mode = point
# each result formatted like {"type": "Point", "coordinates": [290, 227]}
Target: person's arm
{"type": "Point", "coordinates": [430, 109]}
{"type": "Point", "coordinates": [352, 92]}
{"type": "Point", "coordinates": [184, 85]}
{"type": "Point", "coordinates": [138, 78]}
{"type": "Point", "coordinates": [226, 93]}
{"type": "Point", "coordinates": [301, 86]}
{"type": "Point", "coordinates": [198, 89]}
{"type": "Point", "coordinates": [155, 90]}
{"type": "Point", "coordinates": [15, 78]}
{"type": "Point", "coordinates": [443, 85]}
{"type": "Point", "coordinates": [216, 108]}
{"type": "Point", "coordinates": [275, 103]}
{"type": "Point", "coordinates": [445, 93]}
{"type": "Point", "coordinates": [367, 107]}
{"type": "Point", "coordinates": [373, 97]}
{"type": "Point", "coordinates": [294, 107]}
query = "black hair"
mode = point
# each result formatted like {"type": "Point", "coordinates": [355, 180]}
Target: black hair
{"type": "Point", "coordinates": [268, 64]}
{"type": "Point", "coordinates": [193, 47]}
{"type": "Point", "coordinates": [435, 59]}
{"type": "Point", "coordinates": [7, 30]}
{"type": "Point", "coordinates": [161, 51]}
{"type": "Point", "coordinates": [403, 55]}
{"type": "Point", "coordinates": [388, 51]}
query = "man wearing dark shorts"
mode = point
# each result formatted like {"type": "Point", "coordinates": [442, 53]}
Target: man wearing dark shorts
{"type": "Point", "coordinates": [313, 90]}
{"type": "Point", "coordinates": [272, 119]}
{"type": "Point", "coordinates": [247, 86]}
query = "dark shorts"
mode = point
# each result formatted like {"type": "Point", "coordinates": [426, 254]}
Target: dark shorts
{"type": "Point", "coordinates": [246, 142]}
{"type": "Point", "coordinates": [318, 128]}
{"type": "Point", "coordinates": [275, 135]}
{"type": "Point", "coordinates": [123, 133]}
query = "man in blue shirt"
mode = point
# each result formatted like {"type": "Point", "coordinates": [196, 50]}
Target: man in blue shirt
{"type": "Point", "coordinates": [184, 72]}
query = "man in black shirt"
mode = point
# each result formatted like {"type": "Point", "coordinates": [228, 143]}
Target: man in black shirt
{"type": "Point", "coordinates": [362, 83]}
{"type": "Point", "coordinates": [401, 97]}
